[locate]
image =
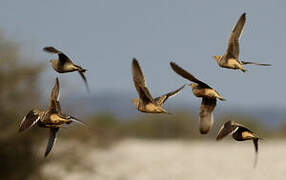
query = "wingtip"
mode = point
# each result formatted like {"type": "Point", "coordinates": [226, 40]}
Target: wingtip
{"type": "Point", "coordinates": [135, 61]}
{"type": "Point", "coordinates": [47, 152]}
{"type": "Point", "coordinates": [243, 16]}
{"type": "Point", "coordinates": [57, 80]}
{"type": "Point", "coordinates": [57, 83]}
{"type": "Point", "coordinates": [48, 48]}
{"type": "Point", "coordinates": [45, 48]}
{"type": "Point", "coordinates": [51, 49]}
{"type": "Point", "coordinates": [173, 63]}
{"type": "Point", "coordinates": [45, 155]}
{"type": "Point", "coordinates": [21, 128]}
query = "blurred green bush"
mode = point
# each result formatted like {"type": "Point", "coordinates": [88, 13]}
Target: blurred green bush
{"type": "Point", "coordinates": [18, 92]}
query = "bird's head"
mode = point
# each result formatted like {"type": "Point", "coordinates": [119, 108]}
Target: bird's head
{"type": "Point", "coordinates": [193, 85]}
{"type": "Point", "coordinates": [53, 61]}
{"type": "Point", "coordinates": [135, 102]}
{"type": "Point", "coordinates": [217, 58]}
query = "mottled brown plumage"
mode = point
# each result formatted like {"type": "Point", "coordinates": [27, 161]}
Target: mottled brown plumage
{"type": "Point", "coordinates": [64, 64]}
{"type": "Point", "coordinates": [239, 133]}
{"type": "Point", "coordinates": [52, 118]}
{"type": "Point", "coordinates": [162, 99]}
{"type": "Point", "coordinates": [146, 103]}
{"type": "Point", "coordinates": [231, 58]}
{"type": "Point", "coordinates": [208, 94]}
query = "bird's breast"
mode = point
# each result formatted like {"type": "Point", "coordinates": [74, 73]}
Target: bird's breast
{"type": "Point", "coordinates": [69, 67]}
{"type": "Point", "coordinates": [232, 63]}
{"type": "Point", "coordinates": [56, 119]}
{"type": "Point", "coordinates": [150, 107]}
{"type": "Point", "coordinates": [199, 92]}
{"type": "Point", "coordinates": [205, 92]}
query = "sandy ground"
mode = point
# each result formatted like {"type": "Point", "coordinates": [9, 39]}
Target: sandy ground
{"type": "Point", "coordinates": [160, 160]}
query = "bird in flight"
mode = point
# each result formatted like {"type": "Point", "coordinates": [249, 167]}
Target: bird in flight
{"type": "Point", "coordinates": [64, 64]}
{"type": "Point", "coordinates": [239, 133]}
{"type": "Point", "coordinates": [209, 97]}
{"type": "Point", "coordinates": [53, 118]}
{"type": "Point", "coordinates": [231, 58]}
{"type": "Point", "coordinates": [146, 103]}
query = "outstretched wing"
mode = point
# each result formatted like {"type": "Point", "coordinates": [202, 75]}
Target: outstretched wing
{"type": "Point", "coordinates": [52, 139]}
{"type": "Point", "coordinates": [62, 57]}
{"type": "Point", "coordinates": [140, 83]}
{"type": "Point", "coordinates": [206, 114]}
{"type": "Point", "coordinates": [187, 75]}
{"type": "Point", "coordinates": [29, 120]}
{"type": "Point", "coordinates": [54, 105]}
{"type": "Point", "coordinates": [161, 100]}
{"type": "Point", "coordinates": [227, 128]}
{"type": "Point", "coordinates": [233, 41]}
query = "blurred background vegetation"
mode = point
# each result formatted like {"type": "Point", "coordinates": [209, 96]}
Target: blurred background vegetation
{"type": "Point", "coordinates": [23, 152]}
{"type": "Point", "coordinates": [18, 92]}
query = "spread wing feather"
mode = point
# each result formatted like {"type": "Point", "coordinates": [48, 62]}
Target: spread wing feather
{"type": "Point", "coordinates": [187, 75]}
{"type": "Point", "coordinates": [140, 83]}
{"type": "Point", "coordinates": [29, 120]}
{"type": "Point", "coordinates": [52, 139]}
{"type": "Point", "coordinates": [54, 105]}
{"type": "Point", "coordinates": [62, 57]}
{"type": "Point", "coordinates": [233, 41]}
{"type": "Point", "coordinates": [161, 100]}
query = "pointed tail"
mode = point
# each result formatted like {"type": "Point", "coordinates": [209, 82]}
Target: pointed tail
{"type": "Point", "coordinates": [81, 72]}
{"type": "Point", "coordinates": [73, 119]}
{"type": "Point", "coordinates": [243, 70]}
{"type": "Point", "coordinates": [221, 98]}
{"type": "Point", "coordinates": [255, 142]}
{"type": "Point", "coordinates": [259, 64]}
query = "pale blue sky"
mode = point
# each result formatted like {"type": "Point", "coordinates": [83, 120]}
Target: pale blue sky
{"type": "Point", "coordinates": [104, 36]}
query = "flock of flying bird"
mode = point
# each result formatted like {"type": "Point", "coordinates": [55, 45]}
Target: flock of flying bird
{"type": "Point", "coordinates": [54, 118]}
